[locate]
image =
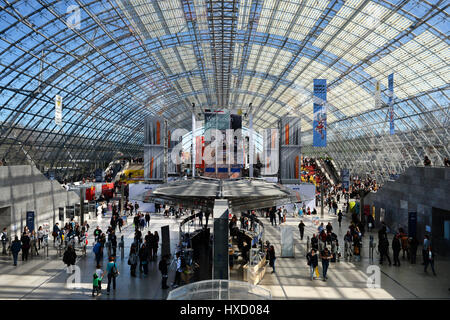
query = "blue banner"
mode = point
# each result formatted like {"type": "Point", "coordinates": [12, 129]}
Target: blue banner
{"type": "Point", "coordinates": [391, 102]}
{"type": "Point", "coordinates": [345, 176]}
{"type": "Point", "coordinates": [320, 113]}
{"type": "Point", "coordinates": [30, 220]}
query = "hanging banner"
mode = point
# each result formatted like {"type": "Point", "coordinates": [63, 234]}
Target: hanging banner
{"type": "Point", "coordinates": [377, 95]}
{"type": "Point", "coordinates": [391, 102]}
{"type": "Point", "coordinates": [345, 176]}
{"type": "Point", "coordinates": [320, 113]}
{"type": "Point", "coordinates": [58, 110]}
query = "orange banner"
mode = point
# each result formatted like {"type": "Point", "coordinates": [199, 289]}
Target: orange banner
{"type": "Point", "coordinates": [151, 168]}
{"type": "Point", "coordinates": [158, 133]}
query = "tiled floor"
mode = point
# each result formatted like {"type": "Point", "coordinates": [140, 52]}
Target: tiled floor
{"type": "Point", "coordinates": [46, 278]}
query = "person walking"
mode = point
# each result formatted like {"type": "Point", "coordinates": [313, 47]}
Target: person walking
{"type": "Point", "coordinates": [163, 264]}
{"type": "Point", "coordinates": [120, 224]}
{"type": "Point", "coordinates": [396, 247]}
{"type": "Point", "coordinates": [301, 228]}
{"type": "Point", "coordinates": [25, 246]}
{"type": "Point", "coordinates": [429, 260]}
{"type": "Point", "coordinates": [426, 246]}
{"type": "Point", "coordinates": [132, 260]}
{"type": "Point", "coordinates": [4, 240]}
{"type": "Point", "coordinates": [55, 232]}
{"type": "Point", "coordinates": [113, 242]}
{"type": "Point", "coordinates": [112, 272]}
{"type": "Point", "coordinates": [96, 249]}
{"type": "Point", "coordinates": [383, 248]}
{"type": "Point", "coordinates": [40, 236]}
{"type": "Point", "coordinates": [97, 281]}
{"type": "Point", "coordinates": [272, 258]}
{"type": "Point", "coordinates": [16, 246]}
{"type": "Point", "coordinates": [340, 217]}
{"type": "Point", "coordinates": [312, 261]}
{"type": "Point", "coordinates": [326, 256]}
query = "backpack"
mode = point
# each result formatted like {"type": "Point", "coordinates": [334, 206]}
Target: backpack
{"type": "Point", "coordinates": [96, 248]}
{"type": "Point", "coordinates": [114, 271]}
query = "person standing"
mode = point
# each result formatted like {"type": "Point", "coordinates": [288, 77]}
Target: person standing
{"type": "Point", "coordinates": [113, 273]}
{"type": "Point", "coordinates": [163, 264]}
{"type": "Point", "coordinates": [97, 233]}
{"type": "Point", "coordinates": [132, 260]}
{"type": "Point", "coordinates": [272, 258]}
{"type": "Point", "coordinates": [200, 218]}
{"type": "Point", "coordinates": [70, 257]}
{"type": "Point", "coordinates": [178, 271]}
{"type": "Point", "coordinates": [412, 249]}
{"type": "Point", "coordinates": [340, 217]}
{"type": "Point", "coordinates": [301, 228]}
{"type": "Point", "coordinates": [155, 244]}
{"type": "Point", "coordinates": [325, 255]}
{"type": "Point", "coordinates": [25, 246]}
{"type": "Point", "coordinates": [143, 257]}
{"type": "Point", "coordinates": [396, 247]}
{"type": "Point", "coordinates": [16, 246]}
{"type": "Point", "coordinates": [4, 240]}
{"type": "Point", "coordinates": [147, 220]}
{"type": "Point", "coordinates": [207, 214]}
{"type": "Point", "coordinates": [272, 217]}
{"type": "Point", "coordinates": [313, 262]}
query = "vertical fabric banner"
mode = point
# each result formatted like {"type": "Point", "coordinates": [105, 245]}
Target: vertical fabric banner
{"type": "Point", "coordinates": [391, 102]}
{"type": "Point", "coordinates": [377, 95]}
{"type": "Point", "coordinates": [320, 113]}
{"type": "Point", "coordinates": [58, 110]}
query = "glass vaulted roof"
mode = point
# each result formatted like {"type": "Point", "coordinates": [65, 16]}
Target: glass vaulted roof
{"type": "Point", "coordinates": [125, 59]}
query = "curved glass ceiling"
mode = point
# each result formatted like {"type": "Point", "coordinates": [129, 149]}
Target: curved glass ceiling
{"type": "Point", "coordinates": [126, 59]}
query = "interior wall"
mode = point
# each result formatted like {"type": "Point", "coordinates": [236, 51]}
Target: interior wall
{"type": "Point", "coordinates": [25, 188]}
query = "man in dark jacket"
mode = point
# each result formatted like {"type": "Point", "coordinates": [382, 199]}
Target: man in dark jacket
{"type": "Point", "coordinates": [113, 240]}
{"type": "Point", "coordinates": [383, 248]}
{"type": "Point", "coordinates": [340, 218]}
{"type": "Point", "coordinates": [15, 249]}
{"type": "Point", "coordinates": [164, 272]}
{"type": "Point", "coordinates": [301, 228]}
{"type": "Point", "coordinates": [147, 219]}
{"type": "Point", "coordinates": [25, 246]}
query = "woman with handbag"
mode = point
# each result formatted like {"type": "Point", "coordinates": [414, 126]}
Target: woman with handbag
{"type": "Point", "coordinates": [113, 273]}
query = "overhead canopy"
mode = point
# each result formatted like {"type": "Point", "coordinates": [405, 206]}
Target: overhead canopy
{"type": "Point", "coordinates": [127, 59]}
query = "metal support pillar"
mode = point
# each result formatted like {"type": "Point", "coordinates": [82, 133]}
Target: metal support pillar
{"type": "Point", "coordinates": [220, 246]}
